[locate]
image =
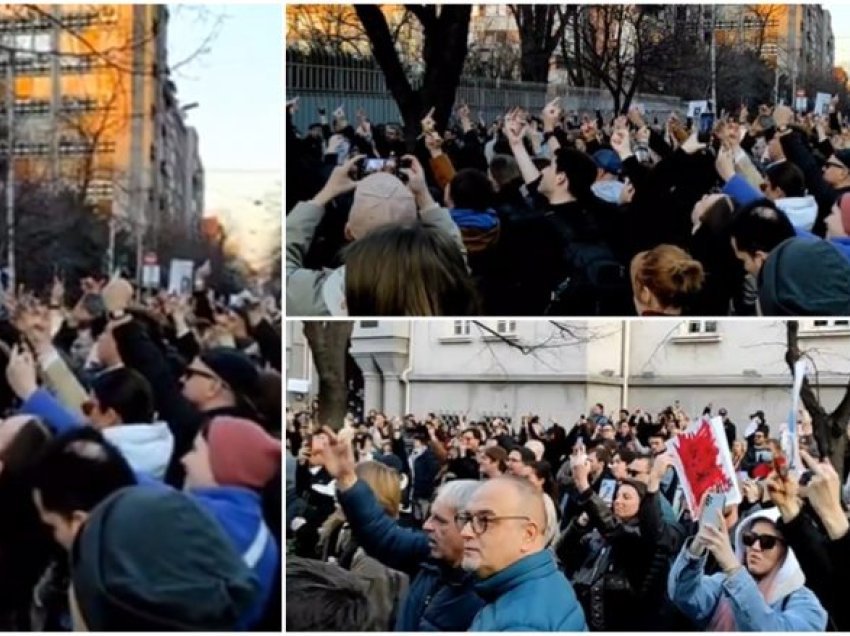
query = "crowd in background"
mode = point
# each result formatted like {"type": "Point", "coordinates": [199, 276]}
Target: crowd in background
{"type": "Point", "coordinates": [422, 524]}
{"type": "Point", "coordinates": [140, 460]}
{"type": "Point", "coordinates": [557, 213]}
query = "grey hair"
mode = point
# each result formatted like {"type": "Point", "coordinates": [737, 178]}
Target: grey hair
{"type": "Point", "coordinates": [456, 494]}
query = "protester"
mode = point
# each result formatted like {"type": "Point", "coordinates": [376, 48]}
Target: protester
{"type": "Point", "coordinates": [431, 558]}
{"type": "Point", "coordinates": [665, 281]}
{"type": "Point", "coordinates": [761, 586]}
{"type": "Point", "coordinates": [504, 544]}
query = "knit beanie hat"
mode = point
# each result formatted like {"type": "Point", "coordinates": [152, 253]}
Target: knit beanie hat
{"type": "Point", "coordinates": [150, 559]}
{"type": "Point", "coordinates": [844, 207]}
{"type": "Point", "coordinates": [843, 156]}
{"type": "Point", "coordinates": [242, 453]}
{"type": "Point", "coordinates": [379, 199]}
{"type": "Point", "coordinates": [235, 368]}
{"type": "Point", "coordinates": [805, 277]}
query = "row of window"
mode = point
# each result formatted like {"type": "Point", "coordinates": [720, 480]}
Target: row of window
{"type": "Point", "coordinates": [66, 147]}
{"type": "Point", "coordinates": [70, 20]}
{"type": "Point", "coordinates": [41, 64]}
{"type": "Point", "coordinates": [695, 328]}
{"type": "Point", "coordinates": [42, 106]}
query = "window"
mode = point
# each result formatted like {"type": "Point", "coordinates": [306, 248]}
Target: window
{"type": "Point", "coordinates": [821, 324]}
{"type": "Point", "coordinates": [702, 326]}
{"type": "Point", "coordinates": [506, 327]}
{"type": "Point", "coordinates": [461, 328]}
{"type": "Point", "coordinates": [695, 331]}
{"type": "Point", "coordinates": [368, 324]}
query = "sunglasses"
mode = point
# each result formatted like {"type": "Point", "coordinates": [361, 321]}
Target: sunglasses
{"type": "Point", "coordinates": [766, 541]}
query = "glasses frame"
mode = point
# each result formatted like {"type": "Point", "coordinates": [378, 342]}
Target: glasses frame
{"type": "Point", "coordinates": [749, 540]}
{"type": "Point", "coordinates": [480, 523]}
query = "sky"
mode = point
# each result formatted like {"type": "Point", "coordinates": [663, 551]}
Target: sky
{"type": "Point", "coordinates": [238, 86]}
{"type": "Point", "coordinates": [840, 13]}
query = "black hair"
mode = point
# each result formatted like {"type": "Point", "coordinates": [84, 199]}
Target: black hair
{"type": "Point", "coordinates": [471, 189]}
{"type": "Point", "coordinates": [78, 470]}
{"type": "Point", "coordinates": [580, 170]}
{"type": "Point", "coordinates": [323, 597]}
{"type": "Point", "coordinates": [543, 470]}
{"type": "Point", "coordinates": [476, 433]}
{"type": "Point", "coordinates": [128, 393]}
{"type": "Point", "coordinates": [525, 454]}
{"type": "Point", "coordinates": [787, 177]}
{"type": "Point", "coordinates": [626, 456]}
{"type": "Point", "coordinates": [760, 227]}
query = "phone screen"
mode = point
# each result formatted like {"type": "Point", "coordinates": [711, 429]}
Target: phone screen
{"type": "Point", "coordinates": [706, 124]}
{"type": "Point", "coordinates": [374, 165]}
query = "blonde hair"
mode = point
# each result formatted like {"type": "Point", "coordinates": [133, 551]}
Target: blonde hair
{"type": "Point", "coordinates": [669, 273]}
{"type": "Point", "coordinates": [385, 483]}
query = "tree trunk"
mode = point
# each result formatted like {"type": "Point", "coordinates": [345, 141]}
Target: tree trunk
{"type": "Point", "coordinates": [830, 429]}
{"type": "Point", "coordinates": [444, 49]}
{"type": "Point", "coordinates": [329, 343]}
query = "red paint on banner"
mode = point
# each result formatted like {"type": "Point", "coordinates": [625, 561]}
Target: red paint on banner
{"type": "Point", "coordinates": [700, 458]}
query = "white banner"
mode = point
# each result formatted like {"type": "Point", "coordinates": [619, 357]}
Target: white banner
{"type": "Point", "coordinates": [703, 462]}
{"type": "Point", "coordinates": [180, 277]}
{"type": "Point", "coordinates": [150, 276]}
{"type": "Point", "coordinates": [793, 450]}
{"type": "Point", "coordinates": [695, 109]}
{"type": "Point", "coordinates": [822, 103]}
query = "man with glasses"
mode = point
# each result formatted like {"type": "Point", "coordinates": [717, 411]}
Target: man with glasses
{"type": "Point", "coordinates": [442, 596]}
{"type": "Point", "coordinates": [503, 530]}
{"type": "Point", "coordinates": [466, 466]}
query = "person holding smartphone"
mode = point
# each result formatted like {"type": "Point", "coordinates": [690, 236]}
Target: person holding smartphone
{"type": "Point", "coordinates": [760, 587]}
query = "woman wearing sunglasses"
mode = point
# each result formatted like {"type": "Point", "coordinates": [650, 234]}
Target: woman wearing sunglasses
{"type": "Point", "coordinates": [760, 587]}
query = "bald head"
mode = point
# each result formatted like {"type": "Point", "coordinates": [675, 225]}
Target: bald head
{"type": "Point", "coordinates": [520, 498]}
{"type": "Point", "coordinates": [507, 522]}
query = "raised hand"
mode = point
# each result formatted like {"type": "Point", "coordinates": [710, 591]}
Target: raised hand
{"type": "Point", "coordinates": [784, 493]}
{"type": "Point", "coordinates": [21, 372]}
{"type": "Point", "coordinates": [725, 164]}
{"type": "Point", "coordinates": [824, 494]}
{"type": "Point", "coordinates": [621, 143]}
{"type": "Point", "coordinates": [635, 117]}
{"type": "Point", "coordinates": [428, 123]}
{"type": "Point", "coordinates": [551, 114]}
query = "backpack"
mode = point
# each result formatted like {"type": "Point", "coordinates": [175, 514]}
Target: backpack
{"type": "Point", "coordinates": [596, 282]}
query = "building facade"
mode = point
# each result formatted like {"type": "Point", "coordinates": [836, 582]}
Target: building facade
{"type": "Point", "coordinates": [87, 84]}
{"type": "Point", "coordinates": [559, 370]}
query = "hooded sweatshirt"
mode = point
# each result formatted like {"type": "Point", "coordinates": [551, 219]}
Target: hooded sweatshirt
{"type": "Point", "coordinates": [789, 606]}
{"type": "Point", "coordinates": [801, 211]}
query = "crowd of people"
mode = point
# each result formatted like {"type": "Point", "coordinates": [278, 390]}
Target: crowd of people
{"type": "Point", "coordinates": [140, 461]}
{"type": "Point", "coordinates": [423, 524]}
{"type": "Point", "coordinates": [553, 213]}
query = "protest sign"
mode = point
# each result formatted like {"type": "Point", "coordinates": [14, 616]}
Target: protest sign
{"type": "Point", "coordinates": [791, 447]}
{"type": "Point", "coordinates": [697, 108]}
{"type": "Point", "coordinates": [703, 462]}
{"type": "Point", "coordinates": [822, 103]}
{"type": "Point", "coordinates": [180, 276]}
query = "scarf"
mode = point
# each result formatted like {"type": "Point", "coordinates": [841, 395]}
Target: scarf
{"type": "Point", "coordinates": [724, 617]}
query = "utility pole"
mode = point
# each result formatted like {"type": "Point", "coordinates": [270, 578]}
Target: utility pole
{"type": "Point", "coordinates": [55, 95]}
{"type": "Point", "coordinates": [713, 58]}
{"type": "Point", "coordinates": [10, 167]}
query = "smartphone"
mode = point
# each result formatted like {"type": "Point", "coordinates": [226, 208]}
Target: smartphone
{"type": "Point", "coordinates": [706, 126]}
{"type": "Point", "coordinates": [712, 509]}
{"type": "Point", "coordinates": [607, 488]}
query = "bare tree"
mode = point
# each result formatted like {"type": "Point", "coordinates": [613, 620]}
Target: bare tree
{"type": "Point", "coordinates": [329, 343]}
{"type": "Point", "coordinates": [763, 20]}
{"type": "Point", "coordinates": [445, 34]}
{"type": "Point", "coordinates": [541, 28]}
{"type": "Point", "coordinates": [830, 427]}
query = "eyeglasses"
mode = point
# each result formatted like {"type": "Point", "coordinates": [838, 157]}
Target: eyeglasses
{"type": "Point", "coordinates": [480, 522]}
{"type": "Point", "coordinates": [766, 541]}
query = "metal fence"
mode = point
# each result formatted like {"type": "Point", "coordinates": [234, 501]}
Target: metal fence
{"type": "Point", "coordinates": [327, 81]}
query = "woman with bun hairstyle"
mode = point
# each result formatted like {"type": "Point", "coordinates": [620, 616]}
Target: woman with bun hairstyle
{"type": "Point", "coordinates": [665, 281]}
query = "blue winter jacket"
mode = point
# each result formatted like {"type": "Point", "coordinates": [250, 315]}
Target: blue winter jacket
{"type": "Point", "coordinates": [440, 597]}
{"type": "Point", "coordinates": [238, 510]}
{"type": "Point", "coordinates": [697, 596]}
{"type": "Point", "coordinates": [532, 595]}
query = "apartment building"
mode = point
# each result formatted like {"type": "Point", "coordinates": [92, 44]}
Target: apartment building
{"type": "Point", "coordinates": [87, 88]}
